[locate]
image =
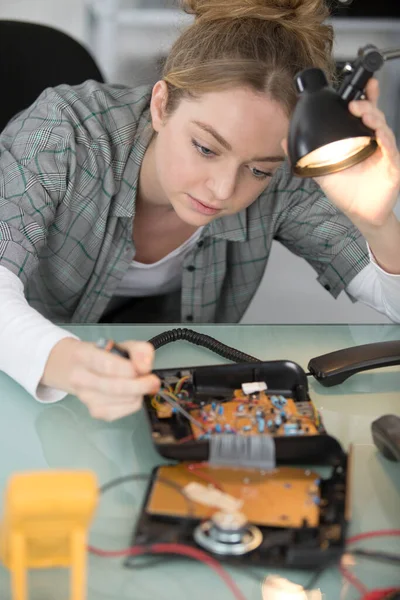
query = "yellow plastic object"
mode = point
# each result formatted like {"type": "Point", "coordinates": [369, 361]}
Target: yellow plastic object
{"type": "Point", "coordinates": [46, 516]}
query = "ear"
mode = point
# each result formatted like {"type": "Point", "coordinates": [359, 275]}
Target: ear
{"type": "Point", "coordinates": [284, 145]}
{"type": "Point", "coordinates": [158, 104]}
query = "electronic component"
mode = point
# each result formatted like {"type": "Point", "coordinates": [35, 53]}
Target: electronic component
{"type": "Point", "coordinates": [290, 493]}
{"type": "Point", "coordinates": [261, 414]}
{"type": "Point", "coordinates": [254, 420]}
{"type": "Point", "coordinates": [284, 516]}
{"type": "Point", "coordinates": [228, 534]}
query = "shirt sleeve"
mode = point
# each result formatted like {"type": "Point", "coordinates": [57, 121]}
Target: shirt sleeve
{"type": "Point", "coordinates": [311, 227]}
{"type": "Point", "coordinates": [37, 150]}
{"type": "Point", "coordinates": [26, 339]}
{"type": "Point", "coordinates": [378, 289]}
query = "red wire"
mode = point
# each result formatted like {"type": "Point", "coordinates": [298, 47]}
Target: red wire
{"type": "Point", "coordinates": [369, 535]}
{"type": "Point", "coordinates": [175, 549]}
{"type": "Point", "coordinates": [355, 582]}
{"type": "Point", "coordinates": [196, 466]}
{"type": "Point", "coordinates": [379, 594]}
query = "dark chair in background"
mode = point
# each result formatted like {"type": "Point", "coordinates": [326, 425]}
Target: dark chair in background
{"type": "Point", "coordinates": [34, 57]}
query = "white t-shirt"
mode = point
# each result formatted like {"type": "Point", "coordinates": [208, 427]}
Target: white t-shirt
{"type": "Point", "coordinates": [161, 277]}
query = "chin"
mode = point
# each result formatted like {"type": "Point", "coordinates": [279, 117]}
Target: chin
{"type": "Point", "coordinates": [191, 217]}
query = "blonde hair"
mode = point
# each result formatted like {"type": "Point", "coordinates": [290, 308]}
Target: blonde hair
{"type": "Point", "coordinates": [260, 44]}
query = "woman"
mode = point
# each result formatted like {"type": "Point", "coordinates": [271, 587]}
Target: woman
{"type": "Point", "coordinates": [111, 195]}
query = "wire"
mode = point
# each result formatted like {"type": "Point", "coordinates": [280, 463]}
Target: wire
{"type": "Point", "coordinates": [200, 339]}
{"type": "Point", "coordinates": [174, 402]}
{"type": "Point", "coordinates": [369, 535]}
{"type": "Point", "coordinates": [385, 594]}
{"type": "Point", "coordinates": [358, 551]}
{"type": "Point", "coordinates": [355, 582]}
{"type": "Point", "coordinates": [145, 477]}
{"type": "Point", "coordinates": [179, 549]}
{"type": "Point", "coordinates": [373, 555]}
{"type": "Point", "coordinates": [195, 467]}
{"type": "Point", "coordinates": [179, 385]}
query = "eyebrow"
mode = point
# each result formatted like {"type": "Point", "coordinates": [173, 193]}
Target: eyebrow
{"type": "Point", "coordinates": [209, 129]}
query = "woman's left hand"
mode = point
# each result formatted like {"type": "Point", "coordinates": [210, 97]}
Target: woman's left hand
{"type": "Point", "coordinates": [368, 191]}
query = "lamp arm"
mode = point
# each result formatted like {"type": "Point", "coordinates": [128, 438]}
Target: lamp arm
{"type": "Point", "coordinates": [369, 60]}
{"type": "Point", "coordinates": [391, 54]}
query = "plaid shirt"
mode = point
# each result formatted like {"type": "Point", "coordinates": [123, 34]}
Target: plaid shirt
{"type": "Point", "coordinates": [69, 168]}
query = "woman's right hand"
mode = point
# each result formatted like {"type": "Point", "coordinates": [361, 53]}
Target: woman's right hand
{"type": "Point", "coordinates": [110, 386]}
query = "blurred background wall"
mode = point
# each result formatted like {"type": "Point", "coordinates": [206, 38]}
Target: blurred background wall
{"type": "Point", "coordinates": [129, 39]}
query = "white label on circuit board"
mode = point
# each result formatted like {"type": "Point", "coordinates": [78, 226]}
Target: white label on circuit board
{"type": "Point", "coordinates": [211, 497]}
{"type": "Point", "coordinates": [253, 387]}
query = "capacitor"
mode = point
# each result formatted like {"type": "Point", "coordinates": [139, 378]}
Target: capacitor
{"type": "Point", "coordinates": [275, 401]}
{"type": "Point", "coordinates": [278, 421]}
{"type": "Point", "coordinates": [221, 409]}
{"type": "Point", "coordinates": [240, 407]}
{"type": "Point", "coordinates": [261, 425]}
{"type": "Point", "coordinates": [290, 428]}
{"type": "Point", "coordinates": [218, 428]}
{"type": "Point", "coordinates": [246, 428]}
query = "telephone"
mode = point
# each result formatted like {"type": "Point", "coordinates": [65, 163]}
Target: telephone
{"type": "Point", "coordinates": [335, 367]}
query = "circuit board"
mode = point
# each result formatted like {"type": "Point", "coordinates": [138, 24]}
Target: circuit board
{"type": "Point", "coordinates": [247, 414]}
{"type": "Point", "coordinates": [284, 497]}
{"type": "Point", "coordinates": [256, 414]}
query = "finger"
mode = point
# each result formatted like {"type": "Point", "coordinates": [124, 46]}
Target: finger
{"type": "Point", "coordinates": [360, 108]}
{"type": "Point", "coordinates": [141, 355]}
{"type": "Point", "coordinates": [120, 389]}
{"type": "Point", "coordinates": [373, 120]}
{"type": "Point", "coordinates": [100, 409]}
{"type": "Point", "coordinates": [103, 363]}
{"type": "Point", "coordinates": [372, 91]}
{"type": "Point", "coordinates": [388, 145]}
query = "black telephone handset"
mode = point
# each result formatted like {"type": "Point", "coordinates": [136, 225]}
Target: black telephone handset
{"type": "Point", "coordinates": [335, 367]}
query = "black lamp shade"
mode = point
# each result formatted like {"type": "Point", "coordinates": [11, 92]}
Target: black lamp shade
{"type": "Point", "coordinates": [322, 117]}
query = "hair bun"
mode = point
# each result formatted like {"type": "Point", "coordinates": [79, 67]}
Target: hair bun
{"type": "Point", "coordinates": [268, 10]}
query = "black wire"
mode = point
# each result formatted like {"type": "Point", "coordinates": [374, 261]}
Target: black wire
{"type": "Point", "coordinates": [377, 555]}
{"type": "Point", "coordinates": [373, 555]}
{"type": "Point", "coordinates": [310, 585]}
{"type": "Point", "coordinates": [200, 339]}
{"type": "Point", "coordinates": [145, 477]}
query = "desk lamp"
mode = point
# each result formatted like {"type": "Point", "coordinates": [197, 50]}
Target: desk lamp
{"type": "Point", "coordinates": [324, 137]}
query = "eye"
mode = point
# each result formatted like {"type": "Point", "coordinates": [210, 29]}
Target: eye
{"type": "Point", "coordinates": [202, 149]}
{"type": "Point", "coordinates": [260, 174]}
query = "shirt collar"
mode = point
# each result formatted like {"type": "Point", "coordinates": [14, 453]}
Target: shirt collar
{"type": "Point", "coordinates": [125, 205]}
{"type": "Point", "coordinates": [232, 227]}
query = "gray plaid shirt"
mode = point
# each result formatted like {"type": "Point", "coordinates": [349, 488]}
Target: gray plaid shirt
{"type": "Point", "coordinates": [69, 168]}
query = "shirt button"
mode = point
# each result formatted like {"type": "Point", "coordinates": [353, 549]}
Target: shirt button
{"type": "Point", "coordinates": [191, 268]}
{"type": "Point", "coordinates": [200, 243]}
{"type": "Point", "coordinates": [327, 287]}
{"type": "Point", "coordinates": [189, 318]}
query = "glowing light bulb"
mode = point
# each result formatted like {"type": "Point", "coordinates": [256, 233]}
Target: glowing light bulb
{"type": "Point", "coordinates": [334, 152]}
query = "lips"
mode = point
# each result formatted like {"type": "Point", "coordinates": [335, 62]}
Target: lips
{"type": "Point", "coordinates": [202, 207]}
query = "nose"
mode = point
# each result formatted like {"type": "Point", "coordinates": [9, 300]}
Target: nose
{"type": "Point", "coordinates": [222, 182]}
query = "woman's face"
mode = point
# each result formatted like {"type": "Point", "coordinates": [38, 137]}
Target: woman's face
{"type": "Point", "coordinates": [215, 155]}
